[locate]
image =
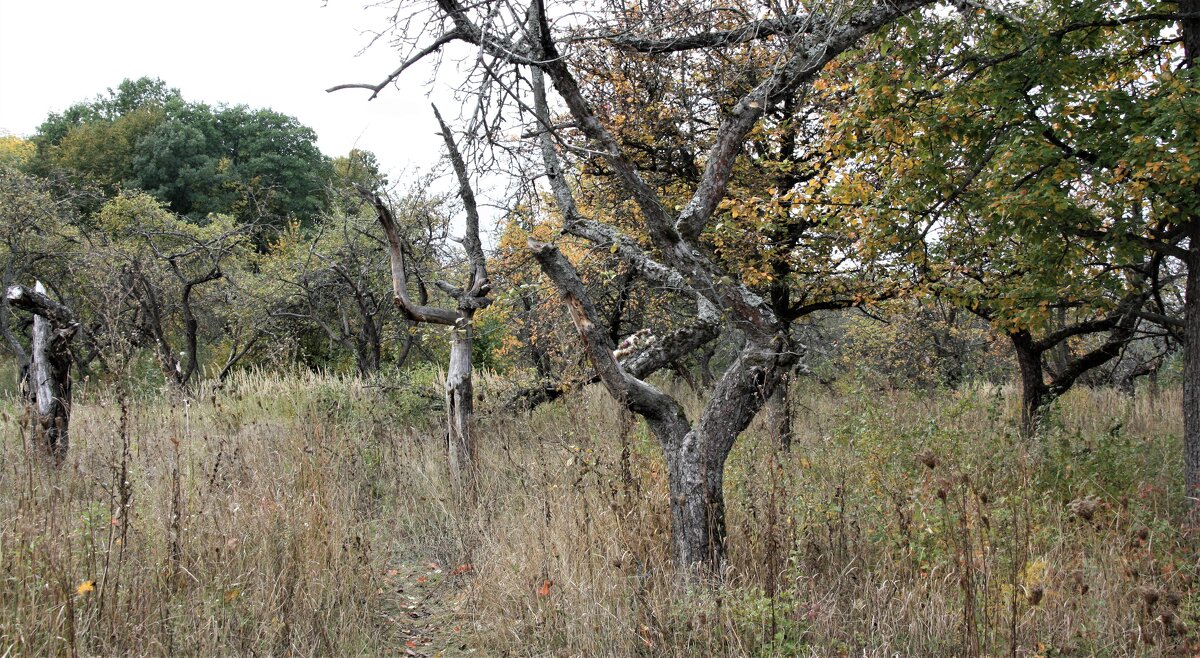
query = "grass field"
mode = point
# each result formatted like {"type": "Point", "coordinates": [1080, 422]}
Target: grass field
{"type": "Point", "coordinates": [310, 515]}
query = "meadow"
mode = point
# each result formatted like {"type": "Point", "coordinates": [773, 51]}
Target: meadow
{"type": "Point", "coordinates": [311, 515]}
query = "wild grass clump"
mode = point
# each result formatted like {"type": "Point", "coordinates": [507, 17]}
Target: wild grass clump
{"type": "Point", "coordinates": [311, 515]}
{"type": "Point", "coordinates": [898, 523]}
{"type": "Point", "coordinates": [245, 522]}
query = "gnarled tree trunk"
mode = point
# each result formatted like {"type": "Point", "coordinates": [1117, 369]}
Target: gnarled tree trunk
{"type": "Point", "coordinates": [460, 444]}
{"type": "Point", "coordinates": [48, 378]}
{"type": "Point", "coordinates": [694, 454]}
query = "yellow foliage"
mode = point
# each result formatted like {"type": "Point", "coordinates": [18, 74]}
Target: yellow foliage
{"type": "Point", "coordinates": [15, 151]}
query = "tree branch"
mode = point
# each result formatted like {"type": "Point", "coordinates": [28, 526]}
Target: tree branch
{"type": "Point", "coordinates": [446, 38]}
{"type": "Point", "coordinates": [641, 397]}
{"type": "Point", "coordinates": [414, 312]}
{"type": "Point", "coordinates": [478, 286]}
{"type": "Point", "coordinates": [35, 302]}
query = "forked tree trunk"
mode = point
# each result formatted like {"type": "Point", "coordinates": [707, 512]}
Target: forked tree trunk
{"type": "Point", "coordinates": [460, 445]}
{"type": "Point", "coordinates": [696, 462]}
{"type": "Point", "coordinates": [473, 296]}
{"type": "Point", "coordinates": [694, 453]}
{"type": "Point", "coordinates": [1036, 392]}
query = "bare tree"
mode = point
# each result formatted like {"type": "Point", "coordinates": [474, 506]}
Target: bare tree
{"type": "Point", "coordinates": [469, 298]}
{"type": "Point", "coordinates": [338, 283]}
{"type": "Point", "coordinates": [511, 40]}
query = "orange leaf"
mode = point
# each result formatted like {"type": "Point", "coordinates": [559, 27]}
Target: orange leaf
{"type": "Point", "coordinates": [461, 569]}
{"type": "Point", "coordinates": [544, 590]}
{"type": "Point", "coordinates": [85, 587]}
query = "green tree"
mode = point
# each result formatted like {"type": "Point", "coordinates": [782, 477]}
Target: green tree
{"type": "Point", "coordinates": [167, 271]}
{"type": "Point", "coordinates": [257, 165]}
{"type": "Point", "coordinates": [15, 152]}
{"type": "Point", "coordinates": [260, 166]}
{"type": "Point", "coordinates": [145, 95]}
{"type": "Point", "coordinates": [996, 144]}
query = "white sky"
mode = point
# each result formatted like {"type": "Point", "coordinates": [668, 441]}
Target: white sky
{"type": "Point", "coordinates": [277, 54]}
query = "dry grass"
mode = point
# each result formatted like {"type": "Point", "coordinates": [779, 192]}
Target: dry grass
{"type": "Point", "coordinates": [314, 518]}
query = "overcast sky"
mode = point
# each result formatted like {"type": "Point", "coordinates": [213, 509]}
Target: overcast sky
{"type": "Point", "coordinates": [277, 54]}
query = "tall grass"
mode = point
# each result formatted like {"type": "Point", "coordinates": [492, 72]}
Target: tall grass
{"type": "Point", "coordinates": [310, 515]}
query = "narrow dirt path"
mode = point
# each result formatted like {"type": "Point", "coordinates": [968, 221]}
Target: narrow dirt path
{"type": "Point", "coordinates": [423, 601]}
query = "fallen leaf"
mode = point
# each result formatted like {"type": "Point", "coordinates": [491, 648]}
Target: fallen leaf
{"type": "Point", "coordinates": [544, 590]}
{"type": "Point", "coordinates": [85, 587]}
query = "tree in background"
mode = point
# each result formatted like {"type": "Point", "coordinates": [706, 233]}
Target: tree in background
{"type": "Point", "coordinates": [1053, 145]}
{"type": "Point", "coordinates": [335, 282]}
{"type": "Point", "coordinates": [259, 166]}
{"type": "Point", "coordinates": [165, 265]}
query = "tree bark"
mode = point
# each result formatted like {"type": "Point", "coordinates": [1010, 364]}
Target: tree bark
{"type": "Point", "coordinates": [1191, 375]}
{"type": "Point", "coordinates": [1191, 343]}
{"type": "Point", "coordinates": [695, 484]}
{"type": "Point", "coordinates": [704, 360]}
{"type": "Point", "coordinates": [781, 414]}
{"type": "Point", "coordinates": [48, 383]}
{"type": "Point", "coordinates": [460, 447]}
{"type": "Point", "coordinates": [1035, 394]}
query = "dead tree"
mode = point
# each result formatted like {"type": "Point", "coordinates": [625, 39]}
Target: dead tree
{"type": "Point", "coordinates": [469, 298]}
{"type": "Point", "coordinates": [47, 378]}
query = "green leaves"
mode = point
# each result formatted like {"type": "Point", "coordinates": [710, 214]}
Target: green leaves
{"type": "Point", "coordinates": [260, 166]}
